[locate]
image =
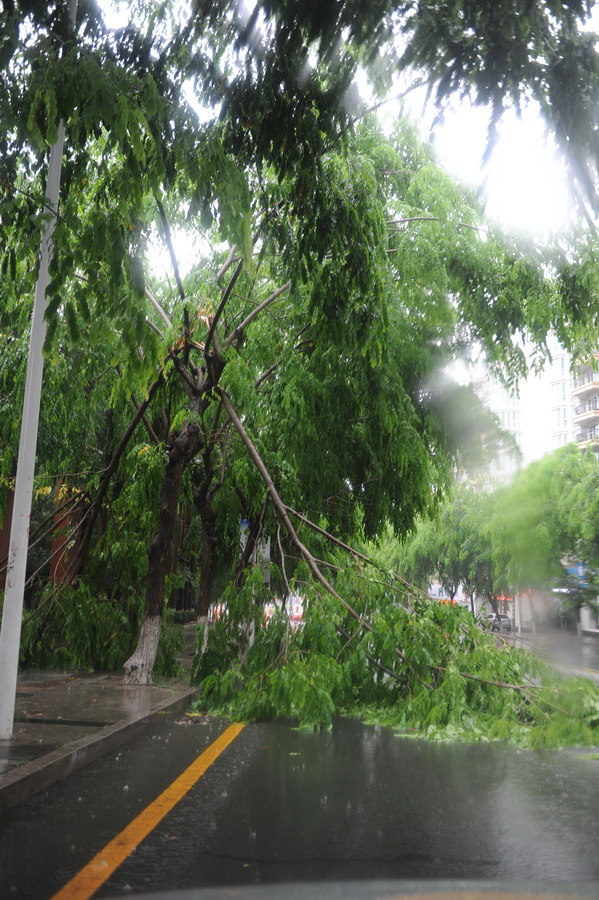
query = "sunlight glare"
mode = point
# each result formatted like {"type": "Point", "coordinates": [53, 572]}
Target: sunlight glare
{"type": "Point", "coordinates": [524, 184]}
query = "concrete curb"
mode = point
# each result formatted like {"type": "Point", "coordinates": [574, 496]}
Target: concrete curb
{"type": "Point", "coordinates": [38, 774]}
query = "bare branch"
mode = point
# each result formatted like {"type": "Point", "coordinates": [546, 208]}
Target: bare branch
{"type": "Point", "coordinates": [222, 305]}
{"type": "Point", "coordinates": [190, 386]}
{"type": "Point", "coordinates": [158, 308]}
{"type": "Point", "coordinates": [282, 513]}
{"type": "Point", "coordinates": [171, 250]}
{"type": "Point", "coordinates": [154, 327]}
{"type": "Point", "coordinates": [356, 553]}
{"type": "Point", "coordinates": [266, 375]}
{"type": "Point", "coordinates": [282, 557]}
{"type": "Point", "coordinates": [146, 423]}
{"type": "Point", "coordinates": [282, 510]}
{"type": "Point", "coordinates": [234, 334]}
{"type": "Point", "coordinates": [230, 259]}
{"type": "Point", "coordinates": [41, 532]}
{"type": "Point", "coordinates": [409, 219]}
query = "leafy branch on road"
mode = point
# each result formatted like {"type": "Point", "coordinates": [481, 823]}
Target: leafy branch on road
{"type": "Point", "coordinates": [424, 668]}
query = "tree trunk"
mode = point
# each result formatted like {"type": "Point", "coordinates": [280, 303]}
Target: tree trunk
{"type": "Point", "coordinates": [202, 498]}
{"type": "Point", "coordinates": [532, 611]}
{"type": "Point", "coordinates": [138, 668]}
{"type": "Point", "coordinates": [494, 604]}
{"type": "Point", "coordinates": [209, 542]}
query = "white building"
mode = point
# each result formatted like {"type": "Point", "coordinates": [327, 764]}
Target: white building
{"type": "Point", "coordinates": [585, 397]}
{"type": "Point", "coordinates": [549, 410]}
{"type": "Point", "coordinates": [506, 405]}
{"type": "Point", "coordinates": [560, 385]}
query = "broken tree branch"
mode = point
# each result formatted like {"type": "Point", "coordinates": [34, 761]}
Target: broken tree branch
{"type": "Point", "coordinates": [282, 513]}
{"type": "Point", "coordinates": [171, 250]}
{"type": "Point", "coordinates": [157, 306]}
{"type": "Point", "coordinates": [355, 553]}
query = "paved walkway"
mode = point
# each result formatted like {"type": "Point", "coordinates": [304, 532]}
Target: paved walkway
{"type": "Point", "coordinates": [64, 720]}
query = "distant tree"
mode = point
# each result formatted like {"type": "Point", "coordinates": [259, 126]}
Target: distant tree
{"type": "Point", "coordinates": [458, 548]}
{"type": "Point", "coordinates": [442, 548]}
{"type": "Point", "coordinates": [544, 522]}
{"type": "Point", "coordinates": [528, 534]}
{"type": "Point", "coordinates": [578, 505]}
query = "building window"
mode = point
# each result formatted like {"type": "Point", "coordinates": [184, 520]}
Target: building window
{"type": "Point", "coordinates": [559, 392]}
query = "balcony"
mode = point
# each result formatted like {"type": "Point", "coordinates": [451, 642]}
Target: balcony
{"type": "Point", "coordinates": [586, 410]}
{"type": "Point", "coordinates": [586, 383]}
{"type": "Point", "coordinates": [587, 435]}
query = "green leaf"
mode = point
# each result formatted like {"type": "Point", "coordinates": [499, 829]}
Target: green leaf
{"type": "Point", "coordinates": [137, 276]}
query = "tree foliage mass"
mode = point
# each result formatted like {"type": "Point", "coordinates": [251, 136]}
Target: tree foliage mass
{"type": "Point", "coordinates": [290, 369]}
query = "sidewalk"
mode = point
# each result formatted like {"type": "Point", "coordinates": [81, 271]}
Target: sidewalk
{"type": "Point", "coordinates": [64, 720]}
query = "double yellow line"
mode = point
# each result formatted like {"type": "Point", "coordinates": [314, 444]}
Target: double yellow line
{"type": "Point", "coordinates": [100, 868]}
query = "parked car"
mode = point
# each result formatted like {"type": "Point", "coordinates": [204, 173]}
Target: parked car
{"type": "Point", "coordinates": [500, 622]}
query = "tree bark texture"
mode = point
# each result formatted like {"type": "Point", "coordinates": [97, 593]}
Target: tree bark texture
{"type": "Point", "coordinates": [208, 561]}
{"type": "Point", "coordinates": [138, 668]}
{"type": "Point", "coordinates": [203, 498]}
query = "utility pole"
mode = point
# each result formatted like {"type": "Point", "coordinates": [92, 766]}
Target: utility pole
{"type": "Point", "coordinates": [10, 631]}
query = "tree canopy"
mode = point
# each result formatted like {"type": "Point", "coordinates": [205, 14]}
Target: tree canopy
{"type": "Point", "coordinates": [291, 369]}
{"type": "Point", "coordinates": [525, 535]}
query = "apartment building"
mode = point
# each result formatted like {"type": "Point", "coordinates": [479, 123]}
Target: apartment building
{"type": "Point", "coordinates": [550, 409]}
{"type": "Point", "coordinates": [506, 405]}
{"type": "Point", "coordinates": [585, 405]}
{"type": "Point", "coordinates": [560, 383]}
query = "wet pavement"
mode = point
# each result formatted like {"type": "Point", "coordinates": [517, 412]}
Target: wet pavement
{"type": "Point", "coordinates": [64, 720]}
{"type": "Point", "coordinates": [390, 890]}
{"type": "Point", "coordinates": [282, 807]}
{"type": "Point", "coordinates": [569, 652]}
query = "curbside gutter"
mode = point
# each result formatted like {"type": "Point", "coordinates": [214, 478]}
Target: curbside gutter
{"type": "Point", "coordinates": [34, 776]}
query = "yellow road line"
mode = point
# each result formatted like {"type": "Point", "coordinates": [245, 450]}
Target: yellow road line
{"type": "Point", "coordinates": [95, 873]}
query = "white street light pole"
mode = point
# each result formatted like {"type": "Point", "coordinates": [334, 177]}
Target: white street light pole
{"type": "Point", "coordinates": [10, 631]}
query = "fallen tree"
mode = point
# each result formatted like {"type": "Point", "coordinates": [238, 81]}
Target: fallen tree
{"type": "Point", "coordinates": [393, 655]}
{"type": "Point", "coordinates": [409, 662]}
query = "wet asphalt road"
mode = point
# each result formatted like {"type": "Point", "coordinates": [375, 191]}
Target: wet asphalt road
{"type": "Point", "coordinates": [574, 654]}
{"type": "Point", "coordinates": [280, 805]}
